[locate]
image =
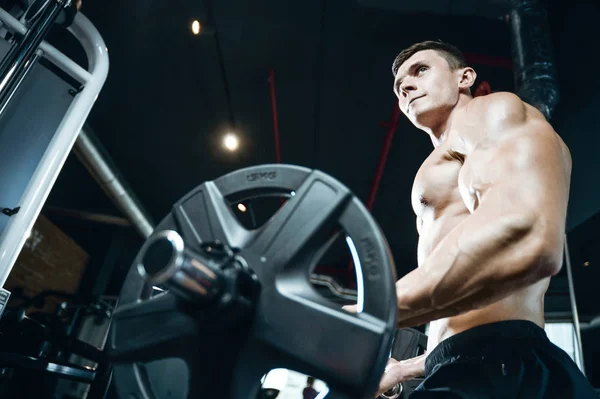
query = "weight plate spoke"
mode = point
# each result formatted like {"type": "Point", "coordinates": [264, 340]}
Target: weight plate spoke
{"type": "Point", "coordinates": [314, 209]}
{"type": "Point", "coordinates": [299, 323]}
{"type": "Point", "coordinates": [210, 366]}
{"type": "Point", "coordinates": [205, 216]}
{"type": "Point", "coordinates": [197, 367]}
{"type": "Point", "coordinates": [134, 339]}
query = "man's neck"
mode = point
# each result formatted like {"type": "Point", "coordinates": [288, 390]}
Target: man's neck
{"type": "Point", "coordinates": [440, 132]}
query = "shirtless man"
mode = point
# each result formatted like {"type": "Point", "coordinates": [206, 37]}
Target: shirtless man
{"type": "Point", "coordinates": [491, 202]}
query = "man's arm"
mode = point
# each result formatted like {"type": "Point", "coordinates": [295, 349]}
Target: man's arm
{"type": "Point", "coordinates": [516, 183]}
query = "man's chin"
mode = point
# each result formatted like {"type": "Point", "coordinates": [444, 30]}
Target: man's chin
{"type": "Point", "coordinates": [419, 116]}
{"type": "Point", "coordinates": [423, 119]}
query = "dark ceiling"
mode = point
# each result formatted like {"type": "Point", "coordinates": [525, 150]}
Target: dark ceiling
{"type": "Point", "coordinates": [170, 96]}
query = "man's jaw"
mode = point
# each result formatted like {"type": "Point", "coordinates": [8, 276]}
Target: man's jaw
{"type": "Point", "coordinates": [411, 101]}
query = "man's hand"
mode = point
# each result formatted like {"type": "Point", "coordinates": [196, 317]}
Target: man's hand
{"type": "Point", "coordinates": [396, 371]}
{"type": "Point", "coordinates": [400, 371]}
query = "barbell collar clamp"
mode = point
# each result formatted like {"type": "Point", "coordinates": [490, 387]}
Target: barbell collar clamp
{"type": "Point", "coordinates": [165, 261]}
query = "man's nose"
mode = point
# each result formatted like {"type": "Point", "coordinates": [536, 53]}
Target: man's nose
{"type": "Point", "coordinates": [407, 87]}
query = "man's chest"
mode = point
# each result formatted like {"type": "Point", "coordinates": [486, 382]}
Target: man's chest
{"type": "Point", "coordinates": [443, 179]}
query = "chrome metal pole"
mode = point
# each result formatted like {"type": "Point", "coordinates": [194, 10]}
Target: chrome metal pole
{"type": "Point", "coordinates": [22, 51]}
{"type": "Point", "coordinates": [574, 305]}
{"type": "Point", "coordinates": [12, 89]}
{"type": "Point", "coordinates": [88, 150]}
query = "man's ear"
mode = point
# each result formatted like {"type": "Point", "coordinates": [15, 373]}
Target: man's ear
{"type": "Point", "coordinates": [467, 78]}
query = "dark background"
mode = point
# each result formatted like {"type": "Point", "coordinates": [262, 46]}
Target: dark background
{"type": "Point", "coordinates": [170, 96]}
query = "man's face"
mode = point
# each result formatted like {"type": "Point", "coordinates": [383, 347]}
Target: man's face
{"type": "Point", "coordinates": [425, 85]}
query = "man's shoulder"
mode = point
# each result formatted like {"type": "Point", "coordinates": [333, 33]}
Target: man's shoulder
{"type": "Point", "coordinates": [499, 109]}
{"type": "Point", "coordinates": [501, 115]}
{"type": "Point", "coordinates": [503, 112]}
{"type": "Point", "coordinates": [500, 97]}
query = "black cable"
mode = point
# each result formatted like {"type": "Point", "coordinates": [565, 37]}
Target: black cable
{"type": "Point", "coordinates": [212, 21]}
{"type": "Point", "coordinates": [319, 65]}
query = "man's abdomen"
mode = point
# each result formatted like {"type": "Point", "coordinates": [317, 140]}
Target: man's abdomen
{"type": "Point", "coordinates": [526, 304]}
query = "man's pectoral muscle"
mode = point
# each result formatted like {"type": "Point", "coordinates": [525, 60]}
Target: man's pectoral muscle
{"type": "Point", "coordinates": [515, 183]}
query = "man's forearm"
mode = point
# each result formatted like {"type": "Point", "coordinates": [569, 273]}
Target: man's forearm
{"type": "Point", "coordinates": [414, 367]}
{"type": "Point", "coordinates": [484, 259]}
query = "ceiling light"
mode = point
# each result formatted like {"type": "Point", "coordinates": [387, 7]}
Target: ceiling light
{"type": "Point", "coordinates": [242, 207]}
{"type": "Point", "coordinates": [231, 142]}
{"type": "Point", "coordinates": [586, 263]}
{"type": "Point", "coordinates": [196, 27]}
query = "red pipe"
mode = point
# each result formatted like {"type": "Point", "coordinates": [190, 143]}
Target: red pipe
{"type": "Point", "coordinates": [483, 89]}
{"type": "Point", "coordinates": [275, 116]}
{"type": "Point", "coordinates": [387, 144]}
{"type": "Point", "coordinates": [489, 60]}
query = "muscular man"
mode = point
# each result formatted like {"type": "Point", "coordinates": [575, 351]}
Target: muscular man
{"type": "Point", "coordinates": [491, 202]}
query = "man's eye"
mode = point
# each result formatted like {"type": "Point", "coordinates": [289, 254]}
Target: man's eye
{"type": "Point", "coordinates": [422, 69]}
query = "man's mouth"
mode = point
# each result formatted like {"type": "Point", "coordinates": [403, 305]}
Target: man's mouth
{"type": "Point", "coordinates": [411, 101]}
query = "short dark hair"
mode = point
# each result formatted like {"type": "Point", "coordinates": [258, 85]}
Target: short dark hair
{"type": "Point", "coordinates": [449, 52]}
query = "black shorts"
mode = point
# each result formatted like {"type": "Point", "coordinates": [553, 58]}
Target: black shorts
{"type": "Point", "coordinates": [509, 359]}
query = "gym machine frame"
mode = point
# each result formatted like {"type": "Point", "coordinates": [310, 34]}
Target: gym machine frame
{"type": "Point", "coordinates": [21, 57]}
{"type": "Point", "coordinates": [28, 47]}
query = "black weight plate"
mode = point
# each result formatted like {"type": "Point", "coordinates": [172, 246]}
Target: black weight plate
{"type": "Point", "coordinates": [294, 327]}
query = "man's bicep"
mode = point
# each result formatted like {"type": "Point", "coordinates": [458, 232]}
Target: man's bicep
{"type": "Point", "coordinates": [529, 160]}
{"type": "Point", "coordinates": [525, 172]}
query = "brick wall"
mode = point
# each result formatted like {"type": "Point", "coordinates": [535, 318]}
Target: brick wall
{"type": "Point", "coordinates": [50, 260]}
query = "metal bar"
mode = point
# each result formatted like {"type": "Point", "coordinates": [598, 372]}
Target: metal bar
{"type": "Point", "coordinates": [113, 185]}
{"type": "Point", "coordinates": [558, 317]}
{"type": "Point", "coordinates": [20, 77]}
{"type": "Point", "coordinates": [574, 304]}
{"type": "Point", "coordinates": [50, 53]}
{"type": "Point", "coordinates": [71, 372]}
{"type": "Point", "coordinates": [22, 51]}
{"type": "Point", "coordinates": [89, 216]}
{"type": "Point", "coordinates": [42, 180]}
